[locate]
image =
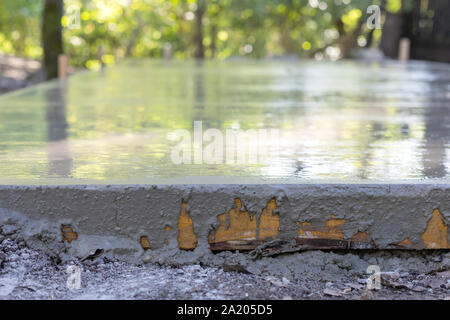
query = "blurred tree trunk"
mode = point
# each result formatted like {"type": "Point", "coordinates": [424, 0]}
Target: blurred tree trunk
{"type": "Point", "coordinates": [431, 31]}
{"type": "Point", "coordinates": [52, 36]}
{"type": "Point", "coordinates": [198, 39]}
{"type": "Point", "coordinates": [425, 23]}
{"type": "Point", "coordinates": [213, 40]}
{"type": "Point", "coordinates": [349, 40]}
{"type": "Point", "coordinates": [392, 32]}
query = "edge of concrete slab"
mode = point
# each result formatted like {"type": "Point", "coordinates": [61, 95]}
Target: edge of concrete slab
{"type": "Point", "coordinates": [129, 221]}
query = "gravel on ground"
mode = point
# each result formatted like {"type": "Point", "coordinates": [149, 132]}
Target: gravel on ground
{"type": "Point", "coordinates": [28, 274]}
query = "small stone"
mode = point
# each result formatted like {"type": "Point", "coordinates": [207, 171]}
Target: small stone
{"type": "Point", "coordinates": [396, 285]}
{"type": "Point", "coordinates": [436, 259]}
{"type": "Point", "coordinates": [235, 268]}
{"type": "Point", "coordinates": [196, 267]}
{"type": "Point", "coordinates": [146, 259]}
{"type": "Point", "coordinates": [347, 290]}
{"type": "Point", "coordinates": [444, 274]}
{"type": "Point", "coordinates": [332, 292]}
{"type": "Point", "coordinates": [355, 286]}
{"type": "Point", "coordinates": [276, 283]}
{"type": "Point", "coordinates": [404, 275]}
{"type": "Point", "coordinates": [287, 298]}
{"type": "Point", "coordinates": [7, 285]}
{"type": "Point", "coordinates": [362, 281]}
{"type": "Point", "coordinates": [418, 289]}
{"type": "Point", "coordinates": [390, 275]}
{"type": "Point", "coordinates": [437, 283]}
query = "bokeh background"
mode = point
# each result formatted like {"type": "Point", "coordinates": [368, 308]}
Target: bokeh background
{"type": "Point", "coordinates": [103, 32]}
{"type": "Point", "coordinates": [365, 117]}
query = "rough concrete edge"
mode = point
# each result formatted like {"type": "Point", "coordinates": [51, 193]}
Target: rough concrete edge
{"type": "Point", "coordinates": [389, 212]}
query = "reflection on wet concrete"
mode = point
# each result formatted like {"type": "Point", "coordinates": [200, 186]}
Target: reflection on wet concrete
{"type": "Point", "coordinates": [437, 137]}
{"type": "Point", "coordinates": [60, 160]}
{"type": "Point", "coordinates": [337, 121]}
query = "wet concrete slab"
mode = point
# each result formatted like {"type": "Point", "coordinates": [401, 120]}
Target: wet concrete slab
{"type": "Point", "coordinates": [337, 122]}
{"type": "Point", "coordinates": [361, 160]}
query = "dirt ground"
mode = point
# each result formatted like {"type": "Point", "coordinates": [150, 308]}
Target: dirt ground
{"type": "Point", "coordinates": [17, 73]}
{"type": "Point", "coordinates": [27, 274]}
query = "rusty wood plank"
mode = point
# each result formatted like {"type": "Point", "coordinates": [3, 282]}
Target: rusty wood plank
{"type": "Point", "coordinates": [232, 245]}
{"type": "Point", "coordinates": [280, 246]}
{"type": "Point", "coordinates": [322, 243]}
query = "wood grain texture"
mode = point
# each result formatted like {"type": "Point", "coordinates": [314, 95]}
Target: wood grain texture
{"type": "Point", "coordinates": [187, 239]}
{"type": "Point", "coordinates": [435, 235]}
{"type": "Point", "coordinates": [68, 234]}
{"type": "Point", "coordinates": [269, 221]}
{"type": "Point", "coordinates": [145, 244]}
{"type": "Point", "coordinates": [241, 226]}
{"type": "Point", "coordinates": [331, 230]}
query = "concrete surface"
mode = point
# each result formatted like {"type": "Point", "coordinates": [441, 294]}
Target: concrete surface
{"type": "Point", "coordinates": [362, 163]}
{"type": "Point", "coordinates": [338, 122]}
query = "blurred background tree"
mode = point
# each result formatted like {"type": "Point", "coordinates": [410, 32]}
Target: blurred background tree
{"type": "Point", "coordinates": [184, 29]}
{"type": "Point", "coordinates": [424, 22]}
{"type": "Point", "coordinates": [52, 43]}
{"type": "Point", "coordinates": [20, 32]}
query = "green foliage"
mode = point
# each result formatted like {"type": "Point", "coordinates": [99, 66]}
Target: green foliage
{"type": "Point", "coordinates": [143, 28]}
{"type": "Point", "coordinates": [20, 27]}
{"type": "Point", "coordinates": [394, 5]}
